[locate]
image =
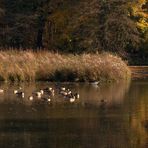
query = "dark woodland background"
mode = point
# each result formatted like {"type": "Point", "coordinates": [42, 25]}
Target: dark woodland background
{"type": "Point", "coordinates": [77, 26]}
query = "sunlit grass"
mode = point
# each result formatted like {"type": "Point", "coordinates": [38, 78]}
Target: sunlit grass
{"type": "Point", "coordinates": [43, 65]}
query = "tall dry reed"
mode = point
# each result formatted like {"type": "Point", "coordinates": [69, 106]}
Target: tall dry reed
{"type": "Point", "coordinates": [43, 65]}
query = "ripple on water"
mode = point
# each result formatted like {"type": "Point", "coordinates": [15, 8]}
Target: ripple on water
{"type": "Point", "coordinates": [110, 115]}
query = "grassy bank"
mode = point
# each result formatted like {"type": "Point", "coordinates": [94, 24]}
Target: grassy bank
{"type": "Point", "coordinates": [43, 65]}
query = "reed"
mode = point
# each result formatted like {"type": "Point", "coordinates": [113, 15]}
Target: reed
{"type": "Point", "coordinates": [43, 65]}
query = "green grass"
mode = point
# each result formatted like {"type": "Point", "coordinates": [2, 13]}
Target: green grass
{"type": "Point", "coordinates": [43, 65]}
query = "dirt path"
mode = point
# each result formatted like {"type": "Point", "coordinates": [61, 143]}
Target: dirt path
{"type": "Point", "coordinates": [139, 72]}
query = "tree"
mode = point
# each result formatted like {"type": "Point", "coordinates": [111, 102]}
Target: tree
{"type": "Point", "coordinates": [75, 26]}
{"type": "Point", "coordinates": [118, 32]}
{"type": "Point", "coordinates": [139, 14]}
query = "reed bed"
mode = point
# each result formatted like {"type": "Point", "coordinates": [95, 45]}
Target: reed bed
{"type": "Point", "coordinates": [46, 66]}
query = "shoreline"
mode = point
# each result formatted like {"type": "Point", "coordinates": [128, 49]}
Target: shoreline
{"type": "Point", "coordinates": [139, 72]}
{"type": "Point", "coordinates": [18, 66]}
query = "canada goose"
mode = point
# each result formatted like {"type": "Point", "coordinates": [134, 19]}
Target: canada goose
{"type": "Point", "coordinates": [77, 96]}
{"type": "Point", "coordinates": [50, 91]}
{"type": "Point", "coordinates": [17, 90]}
{"type": "Point", "coordinates": [1, 90]}
{"type": "Point", "coordinates": [42, 91]}
{"type": "Point", "coordinates": [19, 93]}
{"type": "Point", "coordinates": [47, 99]}
{"type": "Point", "coordinates": [65, 92]}
{"type": "Point", "coordinates": [30, 98]}
{"type": "Point", "coordinates": [62, 88]}
{"type": "Point", "coordinates": [23, 95]}
{"type": "Point", "coordinates": [37, 94]}
{"type": "Point", "coordinates": [20, 88]}
{"type": "Point", "coordinates": [74, 97]}
{"type": "Point", "coordinates": [69, 92]}
{"type": "Point", "coordinates": [94, 82]}
{"type": "Point", "coordinates": [72, 100]}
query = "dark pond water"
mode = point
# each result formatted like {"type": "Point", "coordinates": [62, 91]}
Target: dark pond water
{"type": "Point", "coordinates": [86, 123]}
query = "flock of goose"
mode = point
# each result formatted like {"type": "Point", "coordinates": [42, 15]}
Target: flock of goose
{"type": "Point", "coordinates": [47, 94]}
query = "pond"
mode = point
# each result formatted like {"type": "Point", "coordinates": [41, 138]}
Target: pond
{"type": "Point", "coordinates": [105, 116]}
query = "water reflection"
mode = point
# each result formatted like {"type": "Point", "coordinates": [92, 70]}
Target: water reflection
{"type": "Point", "coordinates": [137, 106]}
{"type": "Point", "coordinates": [82, 124]}
{"type": "Point", "coordinates": [112, 93]}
